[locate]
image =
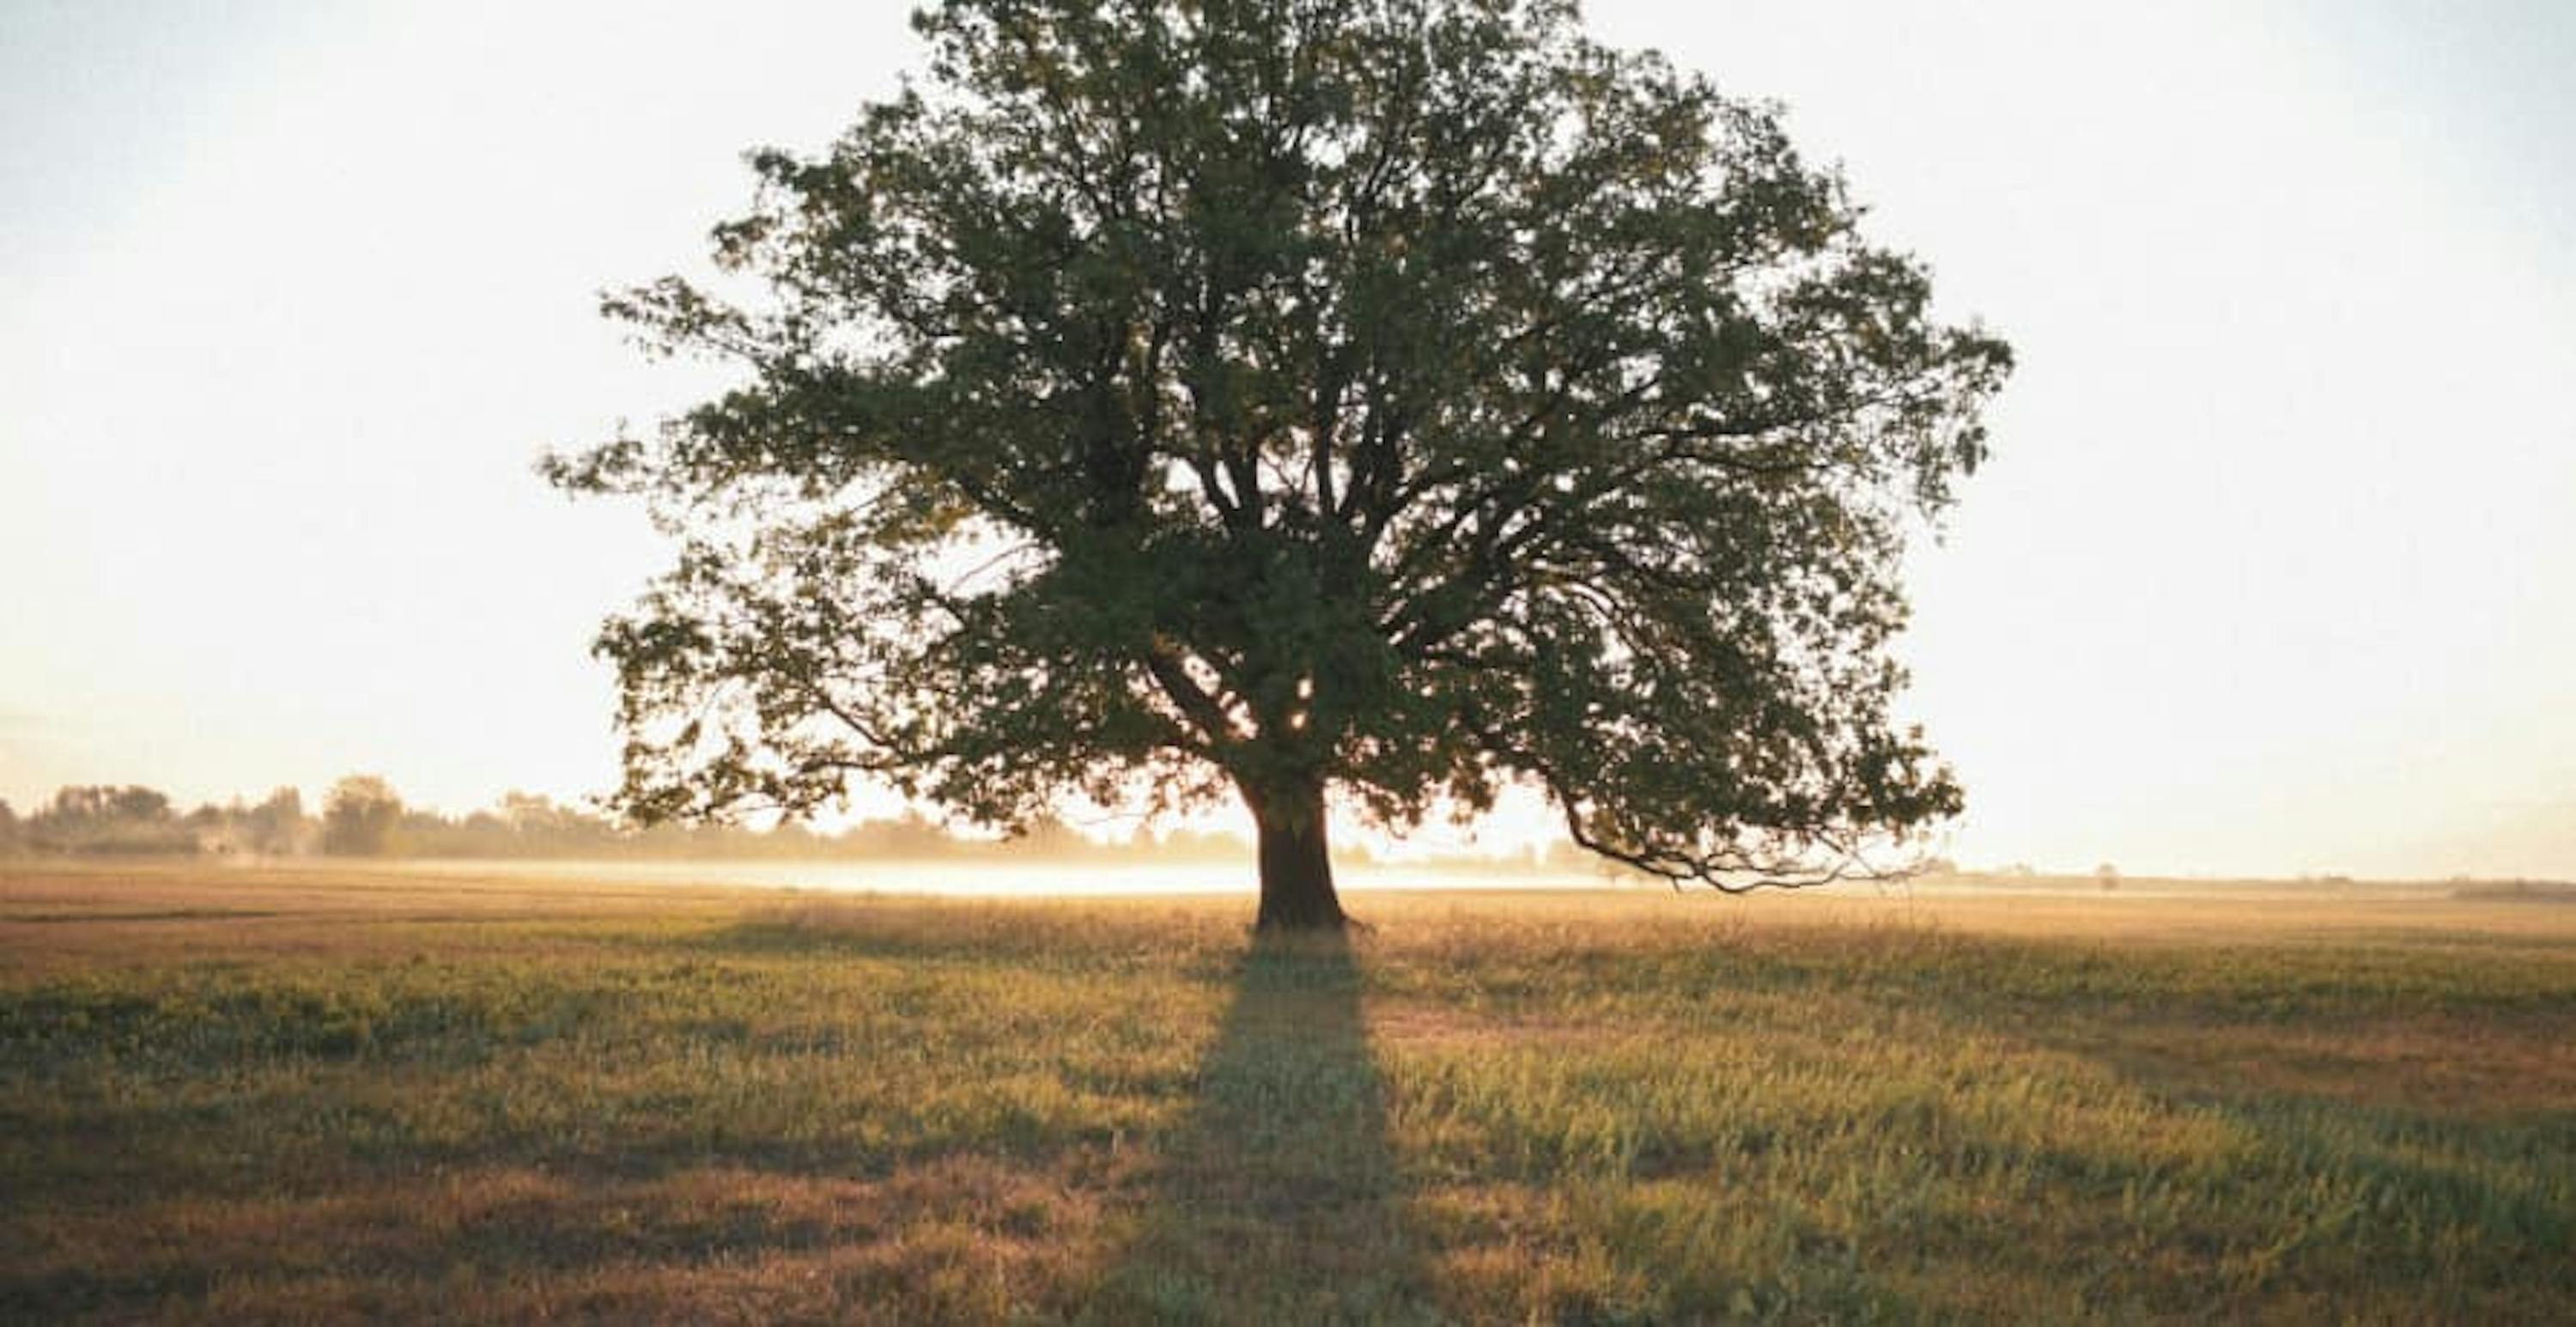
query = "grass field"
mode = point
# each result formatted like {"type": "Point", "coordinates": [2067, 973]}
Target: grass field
{"type": "Point", "coordinates": [317, 1094]}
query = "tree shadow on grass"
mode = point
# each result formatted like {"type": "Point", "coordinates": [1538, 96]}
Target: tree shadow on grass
{"type": "Point", "coordinates": [1277, 1198]}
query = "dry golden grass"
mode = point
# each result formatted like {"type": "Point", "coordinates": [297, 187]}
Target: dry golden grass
{"type": "Point", "coordinates": [316, 1093]}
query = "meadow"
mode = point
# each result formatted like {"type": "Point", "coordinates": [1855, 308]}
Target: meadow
{"type": "Point", "coordinates": [319, 1094]}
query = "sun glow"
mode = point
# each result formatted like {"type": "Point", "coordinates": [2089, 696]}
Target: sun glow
{"type": "Point", "coordinates": [2270, 570]}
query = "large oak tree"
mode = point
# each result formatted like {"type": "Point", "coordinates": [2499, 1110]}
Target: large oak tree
{"type": "Point", "coordinates": [1291, 399]}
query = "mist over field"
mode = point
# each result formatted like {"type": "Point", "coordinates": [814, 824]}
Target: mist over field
{"type": "Point", "coordinates": [1287, 661]}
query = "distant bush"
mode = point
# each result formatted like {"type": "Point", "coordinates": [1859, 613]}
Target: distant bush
{"type": "Point", "coordinates": [359, 817]}
{"type": "Point", "coordinates": [2517, 891]}
{"type": "Point", "coordinates": [103, 819]}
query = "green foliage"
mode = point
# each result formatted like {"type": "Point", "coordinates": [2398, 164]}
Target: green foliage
{"type": "Point", "coordinates": [1391, 395]}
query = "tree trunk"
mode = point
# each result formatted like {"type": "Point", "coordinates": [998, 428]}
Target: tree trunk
{"type": "Point", "coordinates": [1296, 871]}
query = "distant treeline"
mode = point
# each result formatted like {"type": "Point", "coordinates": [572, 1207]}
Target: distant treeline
{"type": "Point", "coordinates": [362, 816]}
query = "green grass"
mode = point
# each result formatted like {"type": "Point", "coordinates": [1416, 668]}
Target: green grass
{"type": "Point", "coordinates": [302, 1096]}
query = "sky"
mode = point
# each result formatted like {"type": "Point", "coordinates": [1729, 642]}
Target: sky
{"type": "Point", "coordinates": [2273, 570]}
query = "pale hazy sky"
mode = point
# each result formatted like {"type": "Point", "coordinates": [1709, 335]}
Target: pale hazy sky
{"type": "Point", "coordinates": [2274, 569]}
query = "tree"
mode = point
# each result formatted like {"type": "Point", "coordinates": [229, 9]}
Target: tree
{"type": "Point", "coordinates": [1285, 398]}
{"type": "Point", "coordinates": [359, 816]}
{"type": "Point", "coordinates": [106, 804]}
{"type": "Point", "coordinates": [104, 818]}
{"type": "Point", "coordinates": [276, 827]}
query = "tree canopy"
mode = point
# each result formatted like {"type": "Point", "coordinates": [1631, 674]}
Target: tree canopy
{"type": "Point", "coordinates": [1161, 400]}
{"type": "Point", "coordinates": [360, 816]}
